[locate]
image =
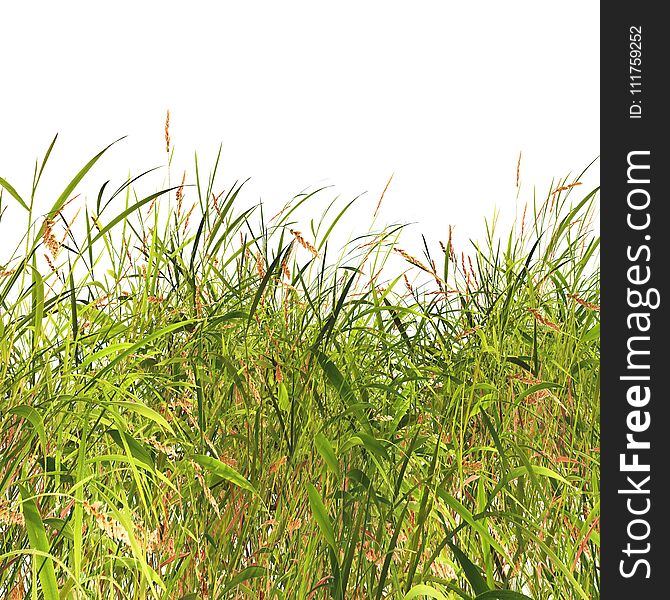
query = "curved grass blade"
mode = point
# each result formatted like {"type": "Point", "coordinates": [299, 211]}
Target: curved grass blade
{"type": "Point", "coordinates": [35, 419]}
{"type": "Point", "coordinates": [221, 469]}
{"type": "Point", "coordinates": [244, 575]}
{"type": "Point", "coordinates": [325, 449]}
{"type": "Point", "coordinates": [13, 193]}
{"type": "Point", "coordinates": [321, 516]}
{"type": "Point", "coordinates": [424, 590]}
{"type": "Point", "coordinates": [472, 572]}
{"type": "Point", "coordinates": [73, 184]}
{"type": "Point", "coordinates": [39, 541]}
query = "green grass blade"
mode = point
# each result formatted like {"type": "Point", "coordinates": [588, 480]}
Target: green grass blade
{"type": "Point", "coordinates": [321, 516]}
{"type": "Point", "coordinates": [39, 542]}
{"type": "Point", "coordinates": [224, 471]}
{"type": "Point", "coordinates": [13, 193]}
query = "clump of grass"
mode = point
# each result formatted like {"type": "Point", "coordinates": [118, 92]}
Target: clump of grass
{"type": "Point", "coordinates": [198, 403]}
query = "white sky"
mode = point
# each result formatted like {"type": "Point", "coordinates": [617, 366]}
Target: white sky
{"type": "Point", "coordinates": [443, 94]}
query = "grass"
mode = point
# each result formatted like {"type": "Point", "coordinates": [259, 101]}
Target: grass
{"type": "Point", "coordinates": [206, 403]}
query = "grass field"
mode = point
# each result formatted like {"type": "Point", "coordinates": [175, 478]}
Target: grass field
{"type": "Point", "coordinates": [199, 401]}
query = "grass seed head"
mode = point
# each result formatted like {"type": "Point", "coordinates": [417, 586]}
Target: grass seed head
{"type": "Point", "coordinates": [205, 488]}
{"type": "Point", "coordinates": [584, 303]}
{"type": "Point", "coordinates": [304, 243]}
{"type": "Point", "coordinates": [293, 525]}
{"type": "Point", "coordinates": [110, 526]}
{"type": "Point", "coordinates": [260, 265]}
{"type": "Point", "coordinates": [10, 516]}
{"type": "Point", "coordinates": [179, 196]}
{"type": "Point", "coordinates": [49, 239]}
{"type": "Point", "coordinates": [382, 196]}
{"type": "Point", "coordinates": [167, 132]}
{"type": "Point", "coordinates": [544, 321]}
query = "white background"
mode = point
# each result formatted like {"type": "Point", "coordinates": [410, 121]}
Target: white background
{"type": "Point", "coordinates": [442, 94]}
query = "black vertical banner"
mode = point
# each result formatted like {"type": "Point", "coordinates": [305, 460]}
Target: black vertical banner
{"type": "Point", "coordinates": [635, 51]}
